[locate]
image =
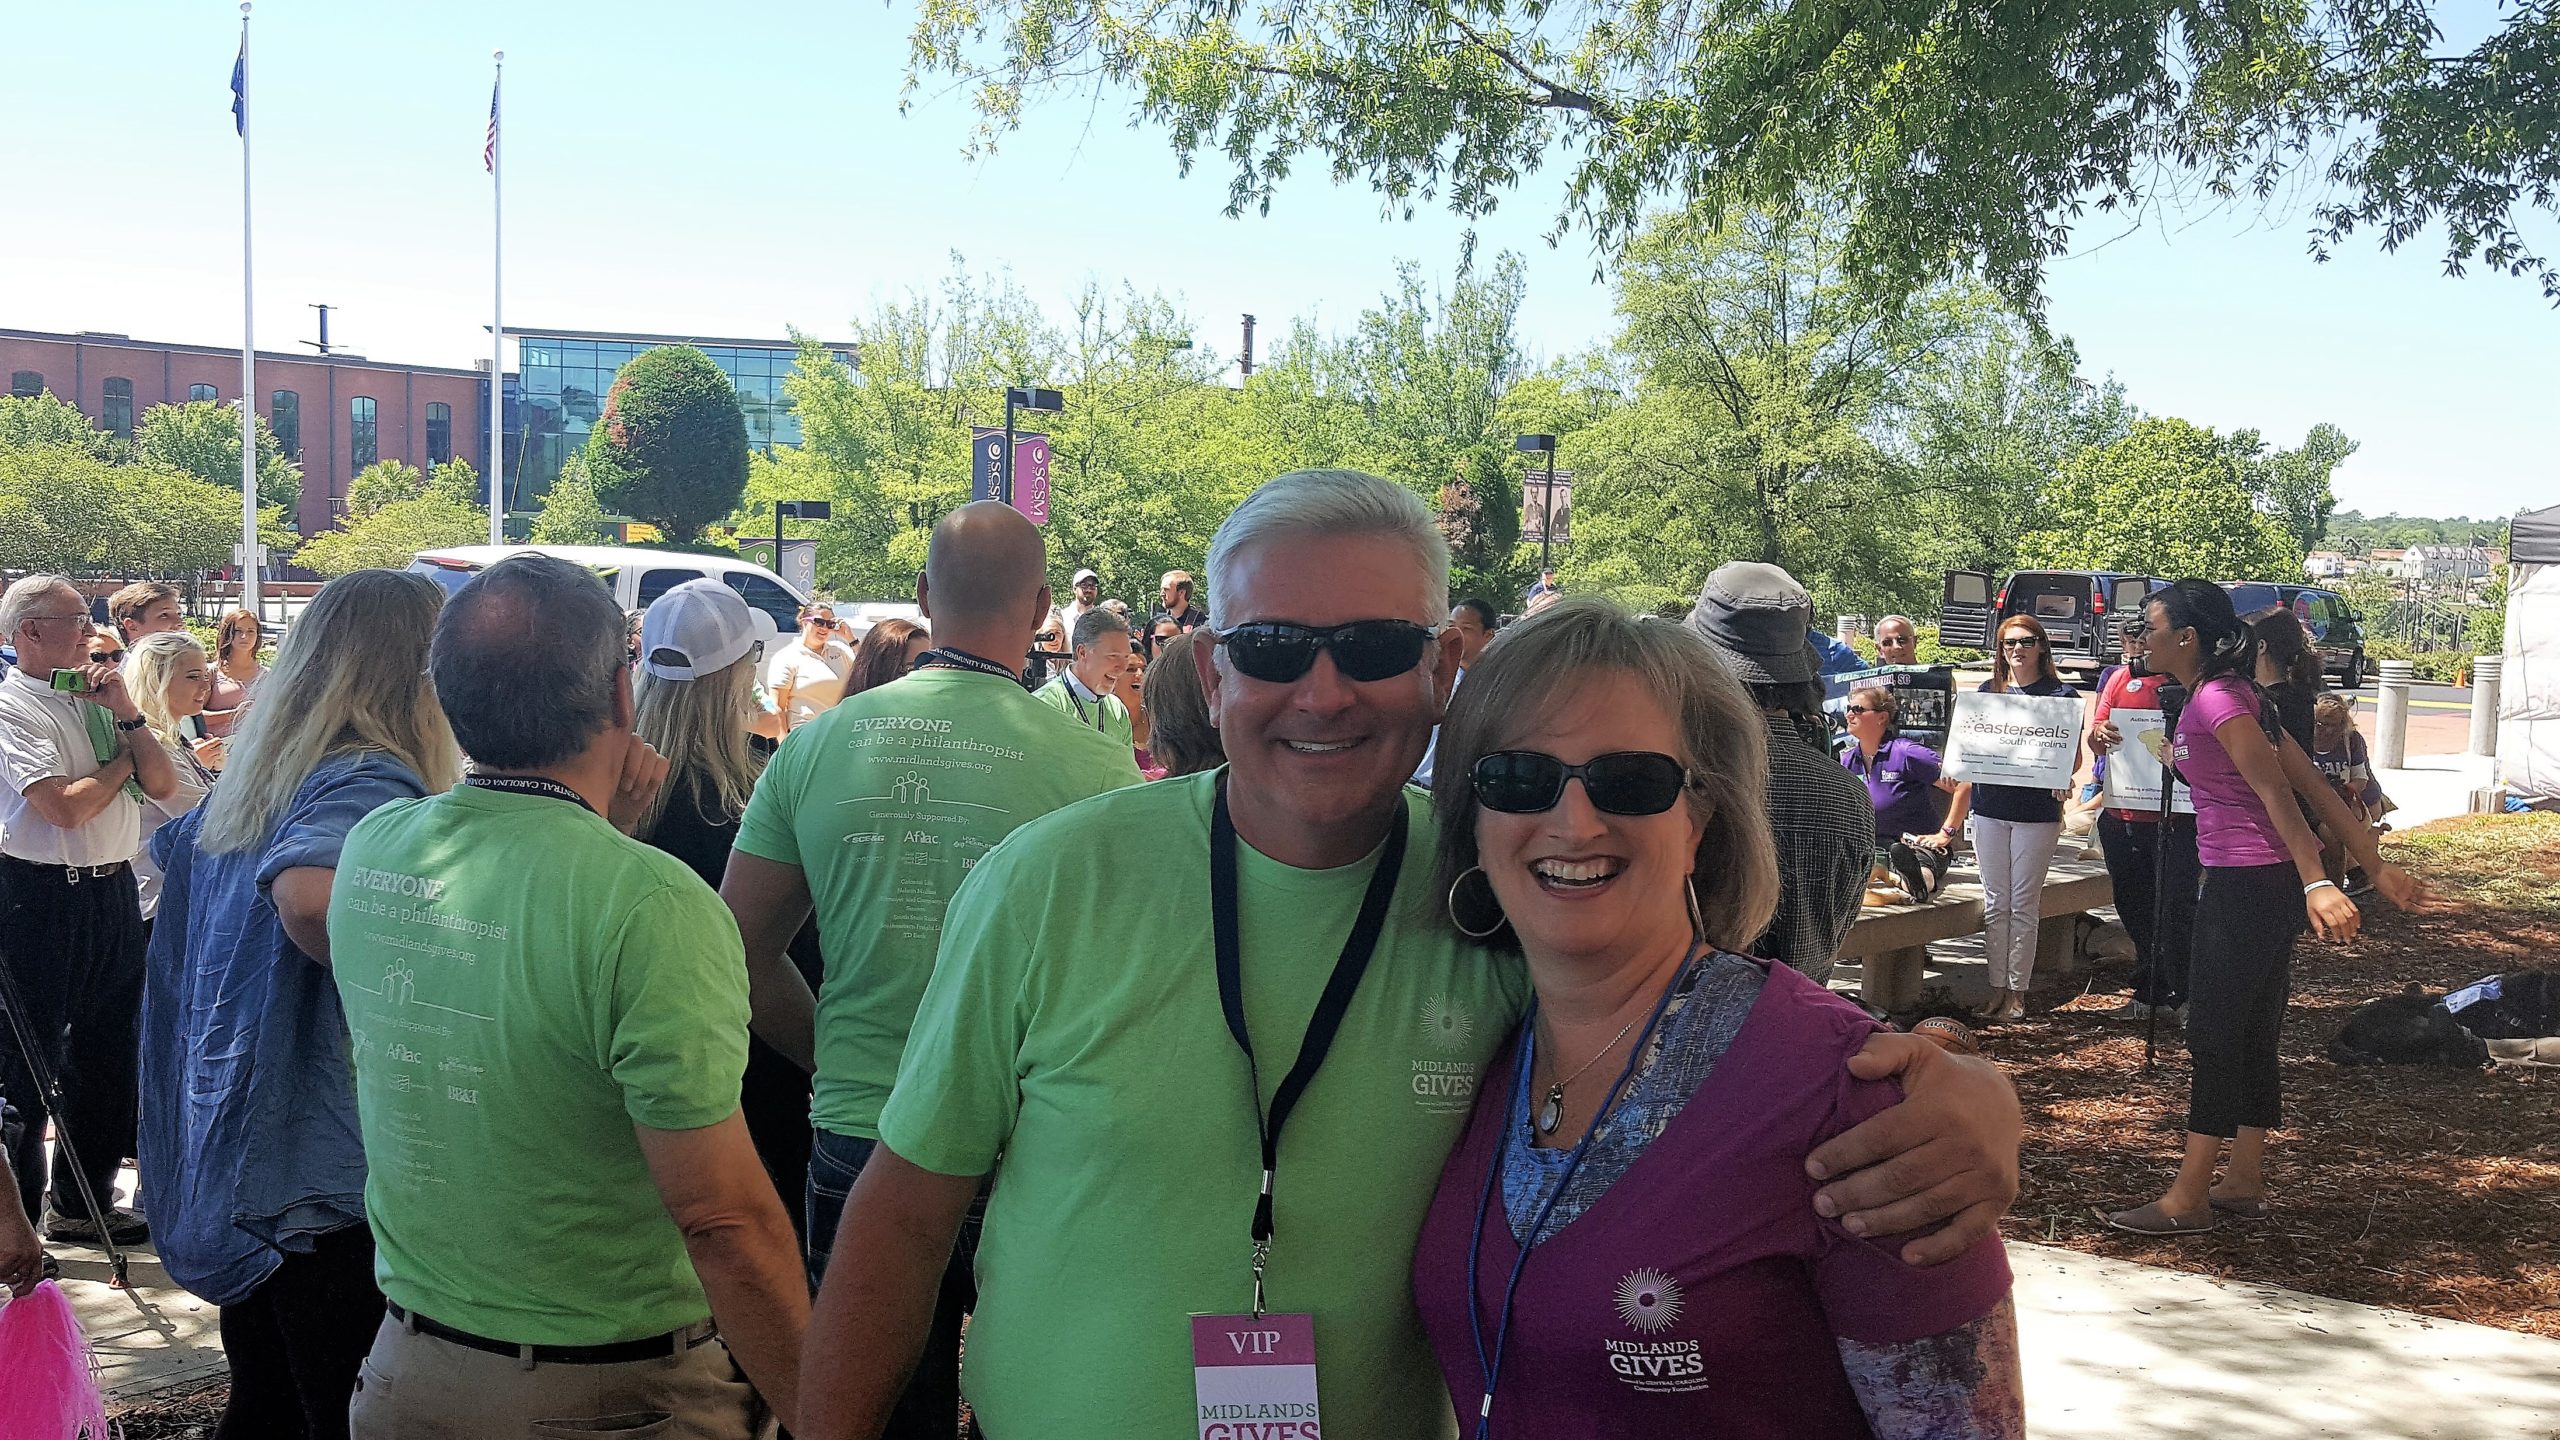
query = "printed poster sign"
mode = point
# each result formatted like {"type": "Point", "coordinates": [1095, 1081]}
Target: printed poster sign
{"type": "Point", "coordinates": [2005, 739]}
{"type": "Point", "coordinates": [2134, 768]}
{"type": "Point", "coordinates": [1533, 508]}
{"type": "Point", "coordinates": [1030, 470]}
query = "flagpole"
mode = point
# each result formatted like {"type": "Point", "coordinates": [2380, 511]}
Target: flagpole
{"type": "Point", "coordinates": [248, 355]}
{"type": "Point", "coordinates": [497, 318]}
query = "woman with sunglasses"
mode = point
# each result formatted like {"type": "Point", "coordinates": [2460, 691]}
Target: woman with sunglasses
{"type": "Point", "coordinates": [2263, 882]}
{"type": "Point", "coordinates": [1903, 781]}
{"type": "Point", "coordinates": [1623, 1241]}
{"type": "Point", "coordinates": [2015, 828]}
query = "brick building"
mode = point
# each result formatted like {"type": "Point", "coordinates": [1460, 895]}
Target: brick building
{"type": "Point", "coordinates": [333, 414]}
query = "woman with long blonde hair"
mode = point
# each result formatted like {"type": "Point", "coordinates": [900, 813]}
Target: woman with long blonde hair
{"type": "Point", "coordinates": [169, 677]}
{"type": "Point", "coordinates": [695, 698]}
{"type": "Point", "coordinates": [249, 1144]}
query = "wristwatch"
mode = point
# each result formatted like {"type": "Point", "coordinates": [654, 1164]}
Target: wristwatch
{"type": "Point", "coordinates": [129, 726]}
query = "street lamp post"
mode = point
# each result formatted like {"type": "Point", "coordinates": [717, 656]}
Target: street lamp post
{"type": "Point", "coordinates": [797, 510]}
{"type": "Point", "coordinates": [1544, 445]}
{"type": "Point", "coordinates": [1022, 397]}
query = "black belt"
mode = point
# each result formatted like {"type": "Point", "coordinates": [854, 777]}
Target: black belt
{"type": "Point", "coordinates": [620, 1352]}
{"type": "Point", "coordinates": [70, 874]}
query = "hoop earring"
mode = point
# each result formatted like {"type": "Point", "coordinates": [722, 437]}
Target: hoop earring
{"type": "Point", "coordinates": [1697, 921]}
{"type": "Point", "coordinates": [1499, 919]}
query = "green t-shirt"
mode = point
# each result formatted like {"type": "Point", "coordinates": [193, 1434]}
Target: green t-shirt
{"type": "Point", "coordinates": [885, 802]}
{"type": "Point", "coordinates": [1110, 717]}
{"type": "Point", "coordinates": [522, 985]}
{"type": "Point", "coordinates": [1073, 1028]}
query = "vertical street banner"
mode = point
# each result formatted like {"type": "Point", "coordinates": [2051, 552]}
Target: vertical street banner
{"type": "Point", "coordinates": [1534, 512]}
{"type": "Point", "coordinates": [1030, 469]}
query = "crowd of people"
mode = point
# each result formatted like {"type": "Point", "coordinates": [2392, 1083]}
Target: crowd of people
{"type": "Point", "coordinates": [524, 1026]}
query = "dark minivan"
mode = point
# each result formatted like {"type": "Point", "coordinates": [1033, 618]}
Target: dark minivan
{"type": "Point", "coordinates": [2079, 610]}
{"type": "Point", "coordinates": [2334, 625]}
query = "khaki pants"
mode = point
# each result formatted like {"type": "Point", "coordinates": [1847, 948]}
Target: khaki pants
{"type": "Point", "coordinates": [418, 1387]}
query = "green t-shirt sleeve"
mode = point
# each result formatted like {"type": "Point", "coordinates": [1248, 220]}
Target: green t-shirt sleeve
{"type": "Point", "coordinates": [958, 1087]}
{"type": "Point", "coordinates": [765, 831]}
{"type": "Point", "coordinates": [677, 1037]}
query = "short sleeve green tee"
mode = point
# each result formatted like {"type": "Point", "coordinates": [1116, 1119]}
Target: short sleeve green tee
{"type": "Point", "coordinates": [522, 985]}
{"type": "Point", "coordinates": [1073, 1028]}
{"type": "Point", "coordinates": [885, 803]}
{"type": "Point", "coordinates": [1107, 715]}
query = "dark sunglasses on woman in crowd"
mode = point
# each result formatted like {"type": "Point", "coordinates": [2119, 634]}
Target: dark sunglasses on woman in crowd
{"type": "Point", "coordinates": [1279, 652]}
{"type": "Point", "coordinates": [1626, 782]}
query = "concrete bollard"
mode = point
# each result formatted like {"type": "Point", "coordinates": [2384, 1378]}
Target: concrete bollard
{"type": "Point", "coordinates": [2391, 726]}
{"type": "Point", "coordinates": [2486, 672]}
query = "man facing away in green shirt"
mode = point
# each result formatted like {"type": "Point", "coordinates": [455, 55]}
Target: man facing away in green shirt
{"type": "Point", "coordinates": [547, 1021]}
{"type": "Point", "coordinates": [1073, 1031]}
{"type": "Point", "coordinates": [873, 813]}
{"type": "Point", "coordinates": [1083, 690]}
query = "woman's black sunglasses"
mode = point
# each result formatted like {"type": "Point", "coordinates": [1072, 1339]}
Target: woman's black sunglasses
{"type": "Point", "coordinates": [1279, 652]}
{"type": "Point", "coordinates": [1628, 782]}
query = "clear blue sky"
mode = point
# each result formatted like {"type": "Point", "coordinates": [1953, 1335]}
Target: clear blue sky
{"type": "Point", "coordinates": [737, 170]}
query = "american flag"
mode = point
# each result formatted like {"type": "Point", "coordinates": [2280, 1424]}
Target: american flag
{"type": "Point", "coordinates": [489, 152]}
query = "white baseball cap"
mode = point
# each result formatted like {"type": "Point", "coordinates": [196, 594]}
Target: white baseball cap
{"type": "Point", "coordinates": [1082, 576]}
{"type": "Point", "coordinates": [699, 628]}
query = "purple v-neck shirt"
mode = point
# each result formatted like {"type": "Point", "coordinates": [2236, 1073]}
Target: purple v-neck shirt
{"type": "Point", "coordinates": [1701, 1295]}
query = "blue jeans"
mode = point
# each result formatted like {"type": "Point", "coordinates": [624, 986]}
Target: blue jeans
{"type": "Point", "coordinates": [930, 1408]}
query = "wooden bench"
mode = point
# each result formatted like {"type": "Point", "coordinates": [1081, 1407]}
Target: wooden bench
{"type": "Point", "coordinates": [1891, 942]}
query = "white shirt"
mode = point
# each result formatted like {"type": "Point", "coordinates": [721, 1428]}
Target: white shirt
{"type": "Point", "coordinates": [815, 677]}
{"type": "Point", "coordinates": [44, 734]}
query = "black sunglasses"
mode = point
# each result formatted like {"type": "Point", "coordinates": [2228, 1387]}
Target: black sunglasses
{"type": "Point", "coordinates": [1862, 709]}
{"type": "Point", "coordinates": [2020, 642]}
{"type": "Point", "coordinates": [1279, 652]}
{"type": "Point", "coordinates": [1628, 782]}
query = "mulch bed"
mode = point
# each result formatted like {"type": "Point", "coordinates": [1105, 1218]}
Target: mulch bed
{"type": "Point", "coordinates": [189, 1413]}
{"type": "Point", "coordinates": [2433, 1190]}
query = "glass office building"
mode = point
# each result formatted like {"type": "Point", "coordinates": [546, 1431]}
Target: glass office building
{"type": "Point", "coordinates": [557, 395]}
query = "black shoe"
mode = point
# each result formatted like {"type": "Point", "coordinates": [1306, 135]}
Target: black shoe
{"type": "Point", "coordinates": [1919, 879]}
{"type": "Point", "coordinates": [123, 1226]}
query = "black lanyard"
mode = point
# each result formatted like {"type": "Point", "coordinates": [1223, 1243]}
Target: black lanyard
{"type": "Point", "coordinates": [946, 658]}
{"type": "Point", "coordinates": [1321, 1026]}
{"type": "Point", "coordinates": [528, 785]}
{"type": "Point", "coordinates": [1101, 713]}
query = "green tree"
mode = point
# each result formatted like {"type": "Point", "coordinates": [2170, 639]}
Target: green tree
{"type": "Point", "coordinates": [27, 422]}
{"type": "Point", "coordinates": [388, 536]}
{"type": "Point", "coordinates": [384, 482]}
{"type": "Point", "coordinates": [1965, 136]}
{"type": "Point", "coordinates": [2293, 485]}
{"type": "Point", "coordinates": [202, 437]}
{"type": "Point", "coordinates": [2169, 498]}
{"type": "Point", "coordinates": [570, 514]}
{"type": "Point", "coordinates": [671, 446]}
{"type": "Point", "coordinates": [457, 480]}
{"type": "Point", "coordinates": [63, 508]}
{"type": "Point", "coordinates": [1768, 385]}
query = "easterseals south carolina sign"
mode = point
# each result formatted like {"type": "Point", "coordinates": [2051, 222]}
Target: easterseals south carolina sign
{"type": "Point", "coordinates": [2029, 740]}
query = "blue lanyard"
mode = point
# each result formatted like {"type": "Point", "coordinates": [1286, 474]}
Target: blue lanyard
{"type": "Point", "coordinates": [1492, 1369]}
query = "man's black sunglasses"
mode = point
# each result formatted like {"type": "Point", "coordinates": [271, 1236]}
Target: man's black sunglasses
{"type": "Point", "coordinates": [1279, 652]}
{"type": "Point", "coordinates": [1627, 782]}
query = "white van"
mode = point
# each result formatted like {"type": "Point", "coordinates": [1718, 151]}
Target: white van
{"type": "Point", "coordinates": [637, 577]}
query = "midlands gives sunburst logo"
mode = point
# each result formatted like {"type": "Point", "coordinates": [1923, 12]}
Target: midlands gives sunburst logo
{"type": "Point", "coordinates": [1446, 1024]}
{"type": "Point", "coordinates": [1445, 1086]}
{"type": "Point", "coordinates": [1649, 1301]}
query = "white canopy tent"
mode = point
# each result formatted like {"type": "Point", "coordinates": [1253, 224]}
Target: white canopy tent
{"type": "Point", "coordinates": [2529, 703]}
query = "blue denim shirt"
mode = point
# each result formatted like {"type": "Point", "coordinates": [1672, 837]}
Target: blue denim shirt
{"type": "Point", "coordinates": [249, 1147]}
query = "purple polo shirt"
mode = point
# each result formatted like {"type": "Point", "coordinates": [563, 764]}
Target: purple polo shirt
{"type": "Point", "coordinates": [1701, 1295]}
{"type": "Point", "coordinates": [1899, 780]}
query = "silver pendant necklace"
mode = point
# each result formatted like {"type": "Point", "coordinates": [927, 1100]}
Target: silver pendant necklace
{"type": "Point", "coordinates": [1551, 1111]}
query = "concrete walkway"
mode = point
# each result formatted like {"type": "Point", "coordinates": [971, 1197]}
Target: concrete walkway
{"type": "Point", "coordinates": [2112, 1351]}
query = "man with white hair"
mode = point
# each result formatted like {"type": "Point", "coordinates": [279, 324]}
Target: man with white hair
{"type": "Point", "coordinates": [75, 758]}
{"type": "Point", "coordinates": [1118, 1036]}
{"type": "Point", "coordinates": [1082, 690]}
{"type": "Point", "coordinates": [1897, 641]}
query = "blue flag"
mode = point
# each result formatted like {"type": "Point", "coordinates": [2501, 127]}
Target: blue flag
{"type": "Point", "coordinates": [240, 89]}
